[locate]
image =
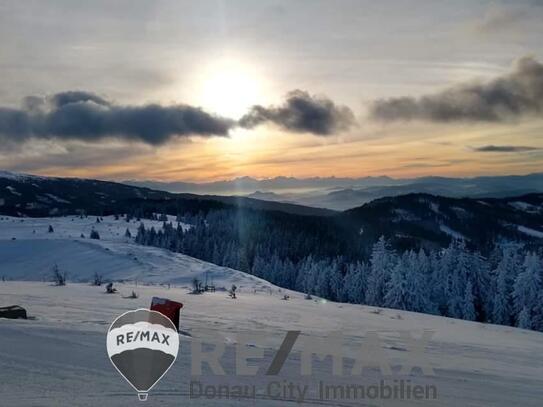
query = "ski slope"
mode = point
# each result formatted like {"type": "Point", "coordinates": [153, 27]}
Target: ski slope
{"type": "Point", "coordinates": [58, 358]}
{"type": "Point", "coordinates": [28, 252]}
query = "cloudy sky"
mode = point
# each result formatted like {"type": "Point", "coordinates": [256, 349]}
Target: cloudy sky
{"type": "Point", "coordinates": [209, 90]}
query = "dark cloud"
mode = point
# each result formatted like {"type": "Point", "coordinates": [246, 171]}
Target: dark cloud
{"type": "Point", "coordinates": [88, 117]}
{"type": "Point", "coordinates": [504, 149]}
{"type": "Point", "coordinates": [302, 113]}
{"type": "Point", "coordinates": [66, 98]}
{"type": "Point", "coordinates": [505, 98]}
{"type": "Point", "coordinates": [85, 116]}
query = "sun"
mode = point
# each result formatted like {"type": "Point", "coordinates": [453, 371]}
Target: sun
{"type": "Point", "coordinates": [229, 88]}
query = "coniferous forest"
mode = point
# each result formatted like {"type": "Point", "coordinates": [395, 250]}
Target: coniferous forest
{"type": "Point", "coordinates": [501, 285]}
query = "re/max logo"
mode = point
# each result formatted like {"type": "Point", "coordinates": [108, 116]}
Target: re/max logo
{"type": "Point", "coordinates": [143, 336]}
{"type": "Point", "coordinates": [369, 353]}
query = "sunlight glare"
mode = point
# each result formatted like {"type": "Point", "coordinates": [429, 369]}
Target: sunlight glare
{"type": "Point", "coordinates": [229, 88]}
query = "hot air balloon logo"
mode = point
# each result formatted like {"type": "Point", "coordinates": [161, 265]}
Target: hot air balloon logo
{"type": "Point", "coordinates": [142, 345]}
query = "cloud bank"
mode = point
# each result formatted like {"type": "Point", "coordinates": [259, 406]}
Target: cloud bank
{"type": "Point", "coordinates": [504, 149]}
{"type": "Point", "coordinates": [517, 94]}
{"type": "Point", "coordinates": [302, 113]}
{"type": "Point", "coordinates": [88, 117]}
{"type": "Point", "coordinates": [85, 116]}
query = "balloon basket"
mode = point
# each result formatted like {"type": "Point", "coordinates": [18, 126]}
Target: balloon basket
{"type": "Point", "coordinates": [142, 396]}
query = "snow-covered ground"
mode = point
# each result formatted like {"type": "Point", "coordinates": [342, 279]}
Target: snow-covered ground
{"type": "Point", "coordinates": [530, 232]}
{"type": "Point", "coordinates": [58, 358]}
{"type": "Point", "coordinates": [29, 252]}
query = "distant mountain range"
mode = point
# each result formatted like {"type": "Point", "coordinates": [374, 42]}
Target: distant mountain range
{"type": "Point", "coordinates": [246, 185]}
{"type": "Point", "coordinates": [31, 195]}
{"type": "Point", "coordinates": [411, 220]}
{"type": "Point", "coordinates": [345, 193]}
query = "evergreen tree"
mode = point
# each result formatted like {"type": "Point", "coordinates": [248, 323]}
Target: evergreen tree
{"type": "Point", "coordinates": [396, 295]}
{"type": "Point", "coordinates": [502, 310]}
{"type": "Point", "coordinates": [440, 280]}
{"type": "Point", "coordinates": [140, 236]}
{"type": "Point", "coordinates": [527, 290]}
{"type": "Point", "coordinates": [304, 268]}
{"type": "Point", "coordinates": [461, 270]}
{"type": "Point", "coordinates": [354, 283]}
{"type": "Point", "coordinates": [382, 262]}
{"type": "Point", "coordinates": [417, 283]}
{"type": "Point", "coordinates": [336, 279]}
{"type": "Point", "coordinates": [483, 293]}
{"type": "Point", "coordinates": [468, 304]}
{"type": "Point", "coordinates": [524, 320]}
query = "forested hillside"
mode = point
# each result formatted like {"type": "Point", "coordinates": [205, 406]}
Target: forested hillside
{"type": "Point", "coordinates": [500, 285]}
{"type": "Point", "coordinates": [476, 259]}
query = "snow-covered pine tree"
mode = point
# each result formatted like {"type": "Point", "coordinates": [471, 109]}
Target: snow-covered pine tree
{"type": "Point", "coordinates": [396, 295]}
{"type": "Point", "coordinates": [260, 267]}
{"type": "Point", "coordinates": [440, 280]}
{"type": "Point", "coordinates": [140, 236]}
{"type": "Point", "coordinates": [216, 256]}
{"type": "Point", "coordinates": [383, 261]}
{"type": "Point", "coordinates": [526, 291]}
{"type": "Point", "coordinates": [524, 319]}
{"type": "Point", "coordinates": [502, 308]}
{"type": "Point", "coordinates": [322, 282]}
{"type": "Point", "coordinates": [468, 303]}
{"type": "Point", "coordinates": [304, 267]}
{"type": "Point", "coordinates": [417, 283]}
{"type": "Point", "coordinates": [311, 270]}
{"type": "Point", "coordinates": [336, 279]}
{"type": "Point", "coordinates": [460, 272]}
{"type": "Point", "coordinates": [482, 286]}
{"type": "Point", "coordinates": [354, 283]}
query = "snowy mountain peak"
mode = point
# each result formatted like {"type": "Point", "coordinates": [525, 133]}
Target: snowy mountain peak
{"type": "Point", "coordinates": [17, 176]}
